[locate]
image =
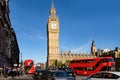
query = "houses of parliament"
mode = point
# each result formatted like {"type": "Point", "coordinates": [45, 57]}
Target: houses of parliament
{"type": "Point", "coordinates": [53, 54]}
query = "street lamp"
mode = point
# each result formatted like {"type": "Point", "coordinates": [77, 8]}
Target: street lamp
{"type": "Point", "coordinates": [21, 59]}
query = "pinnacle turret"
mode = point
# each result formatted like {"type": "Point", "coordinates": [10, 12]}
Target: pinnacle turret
{"type": "Point", "coordinates": [52, 11]}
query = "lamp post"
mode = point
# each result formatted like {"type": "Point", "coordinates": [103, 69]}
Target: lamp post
{"type": "Point", "coordinates": [21, 66]}
{"type": "Point", "coordinates": [21, 59]}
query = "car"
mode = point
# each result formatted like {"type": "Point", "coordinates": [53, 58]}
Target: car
{"type": "Point", "coordinates": [42, 75]}
{"type": "Point", "coordinates": [69, 70]}
{"type": "Point", "coordinates": [104, 75]}
{"type": "Point", "coordinates": [61, 75]}
{"type": "Point", "coordinates": [52, 75]}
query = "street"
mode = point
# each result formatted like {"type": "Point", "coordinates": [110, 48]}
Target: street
{"type": "Point", "coordinates": [29, 77]}
{"type": "Point", "coordinates": [80, 77]}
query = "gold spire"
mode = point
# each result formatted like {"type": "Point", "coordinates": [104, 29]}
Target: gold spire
{"type": "Point", "coordinates": [52, 4]}
{"type": "Point", "coordinates": [52, 11]}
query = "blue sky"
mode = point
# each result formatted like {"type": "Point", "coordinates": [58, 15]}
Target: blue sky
{"type": "Point", "coordinates": [81, 21]}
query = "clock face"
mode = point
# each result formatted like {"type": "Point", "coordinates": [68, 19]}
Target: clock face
{"type": "Point", "coordinates": [53, 25]}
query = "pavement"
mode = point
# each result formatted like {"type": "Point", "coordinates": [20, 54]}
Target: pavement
{"type": "Point", "coordinates": [24, 77]}
{"type": "Point", "coordinates": [6, 78]}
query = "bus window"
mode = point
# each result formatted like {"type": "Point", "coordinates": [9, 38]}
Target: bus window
{"type": "Point", "coordinates": [92, 65]}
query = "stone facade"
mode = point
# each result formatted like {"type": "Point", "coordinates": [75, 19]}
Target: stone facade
{"type": "Point", "coordinates": [52, 37]}
{"type": "Point", "coordinates": [9, 50]}
{"type": "Point", "coordinates": [68, 56]}
{"type": "Point", "coordinates": [54, 56]}
{"type": "Point", "coordinates": [63, 57]}
{"type": "Point", "coordinates": [107, 52]}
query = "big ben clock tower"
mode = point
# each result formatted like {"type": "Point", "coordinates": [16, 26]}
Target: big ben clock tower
{"type": "Point", "coordinates": [52, 37]}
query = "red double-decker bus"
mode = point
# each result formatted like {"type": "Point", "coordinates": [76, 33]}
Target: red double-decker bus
{"type": "Point", "coordinates": [87, 66]}
{"type": "Point", "coordinates": [29, 66]}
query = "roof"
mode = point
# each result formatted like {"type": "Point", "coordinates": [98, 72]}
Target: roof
{"type": "Point", "coordinates": [117, 73]}
{"type": "Point", "coordinates": [92, 58]}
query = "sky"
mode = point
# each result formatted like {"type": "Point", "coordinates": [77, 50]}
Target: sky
{"type": "Point", "coordinates": [81, 21]}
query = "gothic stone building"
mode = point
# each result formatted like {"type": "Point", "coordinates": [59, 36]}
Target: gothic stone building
{"type": "Point", "coordinates": [53, 55]}
{"type": "Point", "coordinates": [9, 50]}
{"type": "Point", "coordinates": [107, 52]}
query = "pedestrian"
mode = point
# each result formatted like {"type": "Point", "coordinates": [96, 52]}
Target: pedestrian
{"type": "Point", "coordinates": [1, 72]}
{"type": "Point", "coordinates": [36, 76]}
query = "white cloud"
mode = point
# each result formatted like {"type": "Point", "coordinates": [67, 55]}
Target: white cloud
{"type": "Point", "coordinates": [41, 37]}
{"type": "Point", "coordinates": [85, 48]}
{"type": "Point", "coordinates": [31, 36]}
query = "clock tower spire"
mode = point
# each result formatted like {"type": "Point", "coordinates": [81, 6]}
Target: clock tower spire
{"type": "Point", "coordinates": [52, 10]}
{"type": "Point", "coordinates": [52, 37]}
